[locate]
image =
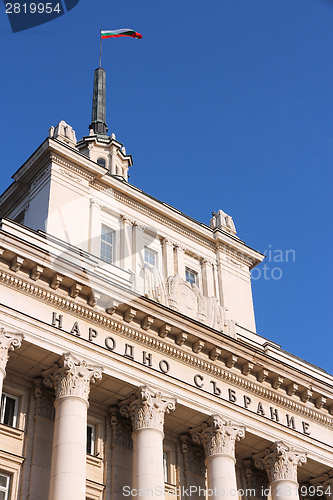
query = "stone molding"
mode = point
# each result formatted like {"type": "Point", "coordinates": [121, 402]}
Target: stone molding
{"type": "Point", "coordinates": [218, 436]}
{"type": "Point", "coordinates": [158, 345]}
{"type": "Point", "coordinates": [147, 408]}
{"type": "Point", "coordinates": [8, 342]}
{"type": "Point", "coordinates": [281, 462]}
{"type": "Point", "coordinates": [71, 377]}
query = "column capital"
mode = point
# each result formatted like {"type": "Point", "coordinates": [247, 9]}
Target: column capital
{"type": "Point", "coordinates": [71, 377]}
{"type": "Point", "coordinates": [8, 342]}
{"type": "Point", "coordinates": [218, 436]}
{"type": "Point", "coordinates": [127, 220]}
{"type": "Point", "coordinates": [180, 247]}
{"type": "Point", "coordinates": [146, 408]}
{"type": "Point", "coordinates": [95, 203]}
{"type": "Point", "coordinates": [280, 462]}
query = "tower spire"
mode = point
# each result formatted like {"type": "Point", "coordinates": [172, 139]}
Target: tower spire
{"type": "Point", "coordinates": [98, 124]}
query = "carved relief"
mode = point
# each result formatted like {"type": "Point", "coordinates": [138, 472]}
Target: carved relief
{"type": "Point", "coordinates": [218, 436]}
{"type": "Point", "coordinates": [194, 458]}
{"type": "Point", "coordinates": [121, 429]}
{"type": "Point", "coordinates": [281, 462]}
{"type": "Point", "coordinates": [44, 400]}
{"type": "Point", "coordinates": [255, 479]}
{"type": "Point", "coordinates": [72, 377]}
{"type": "Point", "coordinates": [146, 408]}
{"type": "Point", "coordinates": [8, 342]}
{"type": "Point", "coordinates": [189, 300]}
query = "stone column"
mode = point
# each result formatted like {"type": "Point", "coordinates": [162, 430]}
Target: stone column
{"type": "Point", "coordinates": [138, 257]}
{"type": "Point", "coordinates": [169, 267]}
{"type": "Point", "coordinates": [8, 342]}
{"type": "Point", "coordinates": [280, 463]}
{"type": "Point", "coordinates": [208, 278]}
{"type": "Point", "coordinates": [180, 260]}
{"type": "Point", "coordinates": [95, 228]}
{"type": "Point", "coordinates": [127, 243]}
{"type": "Point", "coordinates": [146, 409]}
{"type": "Point", "coordinates": [71, 380]}
{"type": "Point", "coordinates": [218, 437]}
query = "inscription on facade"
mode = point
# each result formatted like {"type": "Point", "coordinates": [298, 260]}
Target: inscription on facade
{"type": "Point", "coordinates": [203, 383]}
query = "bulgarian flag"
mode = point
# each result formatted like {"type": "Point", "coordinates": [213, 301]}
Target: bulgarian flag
{"type": "Point", "coordinates": [119, 33]}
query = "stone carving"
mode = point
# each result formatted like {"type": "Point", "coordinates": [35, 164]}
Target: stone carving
{"type": "Point", "coordinates": [8, 342]}
{"type": "Point", "coordinates": [44, 400]}
{"type": "Point", "coordinates": [255, 479]}
{"type": "Point", "coordinates": [121, 430]}
{"type": "Point", "coordinates": [221, 220]}
{"type": "Point", "coordinates": [146, 408]}
{"type": "Point", "coordinates": [218, 436]}
{"type": "Point", "coordinates": [280, 462]}
{"type": "Point", "coordinates": [63, 132]}
{"type": "Point", "coordinates": [189, 300]}
{"type": "Point", "coordinates": [153, 285]}
{"type": "Point", "coordinates": [194, 459]}
{"type": "Point", "coordinates": [71, 377]}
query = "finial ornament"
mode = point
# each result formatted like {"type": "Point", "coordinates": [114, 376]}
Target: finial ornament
{"type": "Point", "coordinates": [72, 377]}
{"type": "Point", "coordinates": [281, 461]}
{"type": "Point", "coordinates": [218, 436]}
{"type": "Point", "coordinates": [8, 342]}
{"type": "Point", "coordinates": [147, 408]}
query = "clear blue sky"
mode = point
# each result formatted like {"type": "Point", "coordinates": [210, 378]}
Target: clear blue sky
{"type": "Point", "coordinates": [223, 104]}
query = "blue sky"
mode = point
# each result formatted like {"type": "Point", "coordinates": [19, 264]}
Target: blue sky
{"type": "Point", "coordinates": [223, 104]}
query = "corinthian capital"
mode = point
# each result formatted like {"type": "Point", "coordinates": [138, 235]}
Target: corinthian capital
{"type": "Point", "coordinates": [146, 408]}
{"type": "Point", "coordinates": [218, 436]}
{"type": "Point", "coordinates": [281, 462]}
{"type": "Point", "coordinates": [8, 342]}
{"type": "Point", "coordinates": [72, 377]}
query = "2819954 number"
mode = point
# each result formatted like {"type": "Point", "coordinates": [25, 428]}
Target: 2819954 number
{"type": "Point", "coordinates": [32, 8]}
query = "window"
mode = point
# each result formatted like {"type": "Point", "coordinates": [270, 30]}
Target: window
{"type": "Point", "coordinates": [107, 244]}
{"type": "Point", "coordinates": [166, 466]}
{"type": "Point", "coordinates": [90, 439]}
{"type": "Point", "coordinates": [150, 257]}
{"type": "Point", "coordinates": [101, 162]}
{"type": "Point", "coordinates": [191, 276]}
{"type": "Point", "coordinates": [4, 486]}
{"type": "Point", "coordinates": [9, 410]}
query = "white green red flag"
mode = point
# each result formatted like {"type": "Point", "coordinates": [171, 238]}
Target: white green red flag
{"type": "Point", "coordinates": [119, 33]}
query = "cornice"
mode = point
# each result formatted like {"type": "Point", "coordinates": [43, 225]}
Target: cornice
{"type": "Point", "coordinates": [159, 345]}
{"type": "Point", "coordinates": [71, 166]}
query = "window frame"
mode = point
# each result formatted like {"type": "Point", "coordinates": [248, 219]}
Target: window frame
{"type": "Point", "coordinates": [16, 399]}
{"type": "Point", "coordinates": [112, 244]}
{"type": "Point", "coordinates": [92, 440]}
{"type": "Point", "coordinates": [151, 252]}
{"type": "Point", "coordinates": [188, 270]}
{"type": "Point", "coordinates": [2, 489]}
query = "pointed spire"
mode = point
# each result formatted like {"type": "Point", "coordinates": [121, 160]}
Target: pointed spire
{"type": "Point", "coordinates": [98, 124]}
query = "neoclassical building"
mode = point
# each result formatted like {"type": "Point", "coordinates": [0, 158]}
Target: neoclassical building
{"type": "Point", "coordinates": [130, 365]}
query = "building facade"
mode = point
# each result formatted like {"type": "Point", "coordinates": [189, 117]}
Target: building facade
{"type": "Point", "coordinates": [130, 365]}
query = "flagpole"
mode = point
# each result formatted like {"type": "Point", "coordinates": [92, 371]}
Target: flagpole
{"type": "Point", "coordinates": [100, 48]}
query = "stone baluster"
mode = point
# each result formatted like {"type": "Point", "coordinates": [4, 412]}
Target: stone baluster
{"type": "Point", "coordinates": [147, 408]}
{"type": "Point", "coordinates": [281, 462]}
{"type": "Point", "coordinates": [8, 342]}
{"type": "Point", "coordinates": [218, 437]}
{"type": "Point", "coordinates": [71, 380]}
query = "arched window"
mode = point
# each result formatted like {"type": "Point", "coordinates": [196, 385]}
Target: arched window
{"type": "Point", "coordinates": [101, 162]}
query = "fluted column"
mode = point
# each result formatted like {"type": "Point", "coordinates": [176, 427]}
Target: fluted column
{"type": "Point", "coordinates": [180, 260]}
{"type": "Point", "coordinates": [127, 242]}
{"type": "Point", "coordinates": [8, 342]}
{"type": "Point", "coordinates": [147, 408]}
{"type": "Point", "coordinates": [95, 228]}
{"type": "Point", "coordinates": [71, 380]}
{"type": "Point", "coordinates": [169, 267]}
{"type": "Point", "coordinates": [280, 463]}
{"type": "Point", "coordinates": [218, 438]}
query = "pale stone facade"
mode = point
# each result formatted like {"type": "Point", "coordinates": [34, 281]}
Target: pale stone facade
{"type": "Point", "coordinates": [129, 358]}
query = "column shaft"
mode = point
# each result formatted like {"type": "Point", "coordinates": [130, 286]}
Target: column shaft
{"type": "Point", "coordinates": [68, 467]}
{"type": "Point", "coordinates": [221, 475]}
{"type": "Point", "coordinates": [148, 462]}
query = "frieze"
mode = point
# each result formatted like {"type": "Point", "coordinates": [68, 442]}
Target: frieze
{"type": "Point", "coordinates": [159, 345]}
